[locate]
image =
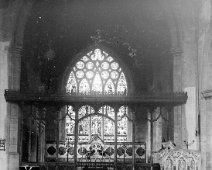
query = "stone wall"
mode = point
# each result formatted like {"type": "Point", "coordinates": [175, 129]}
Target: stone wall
{"type": "Point", "coordinates": [205, 85]}
{"type": "Point", "coordinates": [191, 41]}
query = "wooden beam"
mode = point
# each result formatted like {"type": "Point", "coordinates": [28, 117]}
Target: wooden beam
{"type": "Point", "coordinates": [158, 99]}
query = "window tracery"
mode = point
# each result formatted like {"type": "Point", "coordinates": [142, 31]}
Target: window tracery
{"type": "Point", "coordinates": [97, 72]}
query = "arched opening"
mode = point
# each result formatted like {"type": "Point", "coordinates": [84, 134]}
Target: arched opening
{"type": "Point", "coordinates": [97, 73]}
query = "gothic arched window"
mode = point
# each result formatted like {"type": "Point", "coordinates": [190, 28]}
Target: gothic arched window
{"type": "Point", "coordinates": [97, 73]}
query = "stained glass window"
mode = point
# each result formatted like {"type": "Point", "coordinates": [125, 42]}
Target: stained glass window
{"type": "Point", "coordinates": [122, 123]}
{"type": "Point", "coordinates": [70, 124]}
{"type": "Point", "coordinates": [97, 72]}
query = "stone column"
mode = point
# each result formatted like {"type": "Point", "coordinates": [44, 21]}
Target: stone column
{"type": "Point", "coordinates": [14, 110]}
{"type": "Point", "coordinates": [177, 86]}
{"type": "Point", "coordinates": [185, 79]}
{"type": "Point", "coordinates": [206, 130]}
{"type": "Point", "coordinates": [157, 130]}
{"type": "Point", "coordinates": [3, 106]}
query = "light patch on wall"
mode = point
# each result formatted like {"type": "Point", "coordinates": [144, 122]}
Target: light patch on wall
{"type": "Point", "coordinates": [191, 117]}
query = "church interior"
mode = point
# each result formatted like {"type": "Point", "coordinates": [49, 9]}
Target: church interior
{"type": "Point", "coordinates": [105, 84]}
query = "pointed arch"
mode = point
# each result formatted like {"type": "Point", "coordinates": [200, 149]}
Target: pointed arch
{"type": "Point", "coordinates": [71, 84]}
{"type": "Point", "coordinates": [85, 110]}
{"type": "Point", "coordinates": [107, 110]}
{"type": "Point", "coordinates": [122, 84]}
{"type": "Point", "coordinates": [97, 71]}
{"type": "Point", "coordinates": [84, 87]}
{"type": "Point", "coordinates": [109, 87]}
{"type": "Point", "coordinates": [97, 83]}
